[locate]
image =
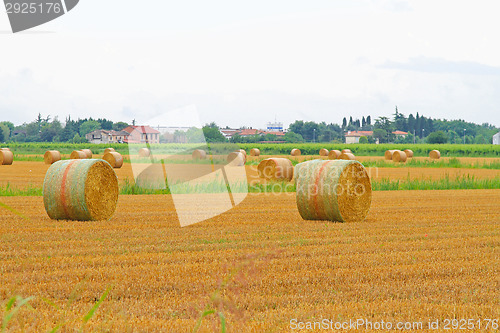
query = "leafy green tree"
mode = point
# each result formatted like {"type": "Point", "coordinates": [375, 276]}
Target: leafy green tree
{"type": "Point", "coordinates": [363, 139]}
{"type": "Point", "coordinates": [5, 132]}
{"type": "Point", "coordinates": [437, 137]}
{"type": "Point", "coordinates": [292, 137]}
{"type": "Point", "coordinates": [2, 136]}
{"type": "Point", "coordinates": [380, 134]}
{"type": "Point", "coordinates": [195, 135]}
{"type": "Point", "coordinates": [385, 124]}
{"type": "Point", "coordinates": [213, 134]}
{"type": "Point", "coordinates": [89, 126]}
{"type": "Point", "coordinates": [119, 126]}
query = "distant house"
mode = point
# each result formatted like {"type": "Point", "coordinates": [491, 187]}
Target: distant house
{"type": "Point", "coordinates": [248, 132]}
{"type": "Point", "coordinates": [400, 134]}
{"type": "Point", "coordinates": [353, 136]}
{"type": "Point", "coordinates": [142, 134]}
{"type": "Point", "coordinates": [496, 139]}
{"type": "Point", "coordinates": [106, 136]}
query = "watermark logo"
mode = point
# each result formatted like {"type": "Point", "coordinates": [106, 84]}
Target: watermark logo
{"type": "Point", "coordinates": [27, 14]}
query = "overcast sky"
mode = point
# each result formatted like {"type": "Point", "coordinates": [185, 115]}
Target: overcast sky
{"type": "Point", "coordinates": [244, 63]}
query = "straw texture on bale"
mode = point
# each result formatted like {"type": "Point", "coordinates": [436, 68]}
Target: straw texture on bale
{"type": "Point", "coordinates": [295, 152]}
{"type": "Point", "coordinates": [388, 154]}
{"type": "Point", "coordinates": [243, 152]}
{"type": "Point", "coordinates": [399, 156]}
{"type": "Point", "coordinates": [81, 190]}
{"type": "Point", "coordinates": [114, 159]}
{"type": "Point", "coordinates": [334, 154]}
{"type": "Point", "coordinates": [409, 153]}
{"type": "Point", "coordinates": [255, 152]}
{"type": "Point", "coordinates": [51, 156]}
{"type": "Point", "coordinates": [109, 150]}
{"type": "Point", "coordinates": [199, 154]}
{"type": "Point", "coordinates": [6, 157]}
{"type": "Point", "coordinates": [323, 152]}
{"type": "Point", "coordinates": [332, 190]}
{"type": "Point", "coordinates": [236, 158]}
{"type": "Point", "coordinates": [77, 155]}
{"type": "Point", "coordinates": [144, 152]}
{"type": "Point", "coordinates": [87, 152]}
{"type": "Point", "coordinates": [276, 168]}
{"type": "Point", "coordinates": [347, 156]}
{"type": "Point", "coordinates": [346, 151]}
{"type": "Point", "coordinates": [435, 154]}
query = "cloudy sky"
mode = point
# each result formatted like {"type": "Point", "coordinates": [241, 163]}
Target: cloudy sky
{"type": "Point", "coordinates": [249, 62]}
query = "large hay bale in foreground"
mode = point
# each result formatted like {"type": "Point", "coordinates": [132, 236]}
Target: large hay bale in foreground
{"type": "Point", "coordinates": [399, 156]}
{"type": "Point", "coordinates": [236, 158]}
{"type": "Point", "coordinates": [51, 156]}
{"type": "Point", "coordinates": [109, 150]}
{"type": "Point", "coordinates": [409, 153]}
{"type": "Point", "coordinates": [295, 152]}
{"type": "Point", "coordinates": [346, 151]}
{"type": "Point", "coordinates": [144, 152]}
{"type": "Point", "coordinates": [82, 190]}
{"type": "Point", "coordinates": [388, 154]}
{"type": "Point", "coordinates": [435, 154]}
{"type": "Point", "coordinates": [87, 152]}
{"type": "Point", "coordinates": [6, 157]}
{"type": "Point", "coordinates": [77, 155]}
{"type": "Point", "coordinates": [199, 154]}
{"type": "Point", "coordinates": [276, 168]}
{"type": "Point", "coordinates": [334, 154]}
{"type": "Point", "coordinates": [323, 152]}
{"type": "Point", "coordinates": [347, 156]}
{"type": "Point", "coordinates": [336, 190]}
{"type": "Point", "coordinates": [255, 152]}
{"type": "Point", "coordinates": [114, 159]}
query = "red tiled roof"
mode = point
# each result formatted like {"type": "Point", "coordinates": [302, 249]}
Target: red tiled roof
{"type": "Point", "coordinates": [249, 131]}
{"type": "Point", "coordinates": [359, 133]}
{"type": "Point", "coordinates": [141, 129]}
{"type": "Point", "coordinates": [400, 133]}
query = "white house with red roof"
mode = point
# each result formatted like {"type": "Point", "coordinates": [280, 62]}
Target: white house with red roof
{"type": "Point", "coordinates": [354, 136]}
{"type": "Point", "coordinates": [142, 134]}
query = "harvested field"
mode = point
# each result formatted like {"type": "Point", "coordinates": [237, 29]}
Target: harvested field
{"type": "Point", "coordinates": [419, 255]}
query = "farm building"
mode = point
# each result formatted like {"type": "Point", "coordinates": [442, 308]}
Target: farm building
{"type": "Point", "coordinates": [142, 134]}
{"type": "Point", "coordinates": [353, 136]}
{"type": "Point", "coordinates": [107, 136]}
{"type": "Point", "coordinates": [496, 139]}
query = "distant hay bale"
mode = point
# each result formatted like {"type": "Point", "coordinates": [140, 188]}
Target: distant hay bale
{"type": "Point", "coordinates": [347, 156]}
{"type": "Point", "coordinates": [109, 150]}
{"type": "Point", "coordinates": [295, 152]}
{"type": "Point", "coordinates": [346, 151]}
{"type": "Point", "coordinates": [336, 190]}
{"type": "Point", "coordinates": [77, 155]}
{"type": "Point", "coordinates": [323, 152]}
{"type": "Point", "coordinates": [81, 190]}
{"type": "Point", "coordinates": [236, 158]}
{"type": "Point", "coordinates": [114, 159]}
{"type": "Point", "coordinates": [51, 156]}
{"type": "Point", "coordinates": [144, 152]}
{"type": "Point", "coordinates": [199, 154]}
{"type": "Point", "coordinates": [409, 153]}
{"type": "Point", "coordinates": [6, 157]}
{"type": "Point", "coordinates": [87, 152]}
{"type": "Point", "coordinates": [435, 154]}
{"type": "Point", "coordinates": [388, 154]}
{"type": "Point", "coordinates": [399, 156]}
{"type": "Point", "coordinates": [243, 152]}
{"type": "Point", "coordinates": [334, 154]}
{"type": "Point", "coordinates": [276, 168]}
{"type": "Point", "coordinates": [254, 152]}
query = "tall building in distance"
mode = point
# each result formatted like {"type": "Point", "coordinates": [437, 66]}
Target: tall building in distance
{"type": "Point", "coordinates": [275, 127]}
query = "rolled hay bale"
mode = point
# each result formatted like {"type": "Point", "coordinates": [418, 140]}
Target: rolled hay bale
{"type": "Point", "coordinates": [77, 155]}
{"type": "Point", "coordinates": [435, 154]}
{"type": "Point", "coordinates": [144, 152]}
{"type": "Point", "coordinates": [199, 154]}
{"type": "Point", "coordinates": [323, 152]}
{"type": "Point", "coordinates": [81, 190]}
{"type": "Point", "coordinates": [409, 153]}
{"type": "Point", "coordinates": [109, 150]}
{"type": "Point", "coordinates": [243, 152]}
{"type": "Point", "coordinates": [388, 154]}
{"type": "Point", "coordinates": [334, 154]}
{"type": "Point", "coordinates": [346, 151]}
{"type": "Point", "coordinates": [6, 157]}
{"type": "Point", "coordinates": [236, 158]}
{"type": "Point", "coordinates": [276, 168]}
{"type": "Point", "coordinates": [114, 159]}
{"type": "Point", "coordinates": [87, 152]}
{"type": "Point", "coordinates": [295, 152]}
{"type": "Point", "coordinates": [347, 156]}
{"type": "Point", "coordinates": [336, 190]}
{"type": "Point", "coordinates": [51, 156]}
{"type": "Point", "coordinates": [254, 152]}
{"type": "Point", "coordinates": [399, 156]}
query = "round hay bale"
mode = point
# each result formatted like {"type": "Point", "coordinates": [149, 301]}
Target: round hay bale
{"type": "Point", "coordinates": [243, 152]}
{"type": "Point", "coordinates": [276, 168]}
{"type": "Point", "coordinates": [347, 156]}
{"type": "Point", "coordinates": [114, 159]}
{"type": "Point", "coordinates": [254, 152]}
{"type": "Point", "coordinates": [295, 152]}
{"type": "Point", "coordinates": [435, 154]}
{"type": "Point", "coordinates": [336, 190]}
{"type": "Point", "coordinates": [388, 154]}
{"type": "Point", "coordinates": [346, 151]}
{"type": "Point", "coordinates": [82, 190]}
{"type": "Point", "coordinates": [87, 152]}
{"type": "Point", "coordinates": [334, 154]}
{"type": "Point", "coordinates": [409, 153]}
{"type": "Point", "coordinates": [6, 157]}
{"type": "Point", "coordinates": [399, 156]}
{"type": "Point", "coordinates": [323, 152]}
{"type": "Point", "coordinates": [199, 154]}
{"type": "Point", "coordinates": [109, 150]}
{"type": "Point", "coordinates": [236, 158]}
{"type": "Point", "coordinates": [77, 155]}
{"type": "Point", "coordinates": [144, 152]}
{"type": "Point", "coordinates": [51, 156]}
